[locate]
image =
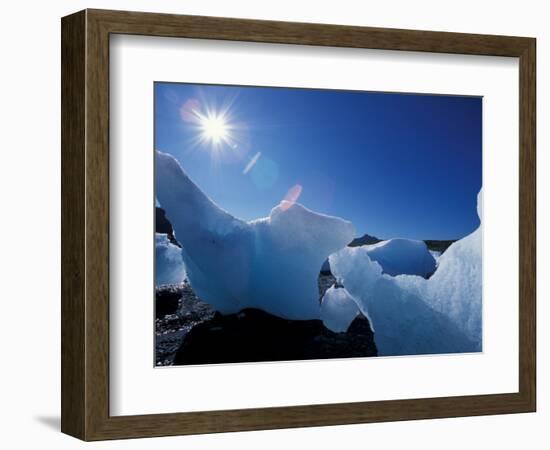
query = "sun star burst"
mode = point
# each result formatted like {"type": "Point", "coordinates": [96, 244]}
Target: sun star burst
{"type": "Point", "coordinates": [214, 128]}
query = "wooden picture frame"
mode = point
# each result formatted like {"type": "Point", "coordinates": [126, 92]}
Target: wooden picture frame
{"type": "Point", "coordinates": [85, 224]}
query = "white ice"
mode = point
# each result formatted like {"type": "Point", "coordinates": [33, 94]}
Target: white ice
{"type": "Point", "coordinates": [402, 256]}
{"type": "Point", "coordinates": [170, 268]}
{"type": "Point", "coordinates": [455, 289]}
{"type": "Point", "coordinates": [338, 309]}
{"type": "Point", "coordinates": [436, 255]}
{"type": "Point", "coordinates": [271, 263]}
{"type": "Point", "coordinates": [412, 315]}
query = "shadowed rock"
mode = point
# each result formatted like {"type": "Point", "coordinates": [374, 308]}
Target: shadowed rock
{"type": "Point", "coordinates": [167, 300]}
{"type": "Point", "coordinates": [163, 225]}
{"type": "Point", "coordinates": [253, 336]}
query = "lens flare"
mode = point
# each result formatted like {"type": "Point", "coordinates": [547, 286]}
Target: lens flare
{"type": "Point", "coordinates": [291, 196]}
{"type": "Point", "coordinates": [252, 163]}
{"type": "Point", "coordinates": [187, 110]}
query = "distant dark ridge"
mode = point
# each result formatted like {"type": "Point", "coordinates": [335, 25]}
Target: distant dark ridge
{"type": "Point", "coordinates": [163, 225]}
{"type": "Point", "coordinates": [439, 246]}
{"type": "Point", "coordinates": [364, 240]}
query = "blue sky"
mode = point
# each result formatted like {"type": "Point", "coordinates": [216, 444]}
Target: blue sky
{"type": "Point", "coordinates": [396, 165]}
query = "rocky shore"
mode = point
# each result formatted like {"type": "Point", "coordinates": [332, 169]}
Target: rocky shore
{"type": "Point", "coordinates": [189, 331]}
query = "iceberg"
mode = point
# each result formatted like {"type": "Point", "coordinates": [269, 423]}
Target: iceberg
{"type": "Point", "coordinates": [169, 268]}
{"type": "Point", "coordinates": [402, 256]}
{"type": "Point", "coordinates": [414, 315]}
{"type": "Point", "coordinates": [271, 263]}
{"type": "Point", "coordinates": [403, 323]}
{"type": "Point", "coordinates": [338, 309]}
{"type": "Point", "coordinates": [455, 289]}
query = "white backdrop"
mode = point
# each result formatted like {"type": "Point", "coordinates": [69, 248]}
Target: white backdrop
{"type": "Point", "coordinates": [30, 238]}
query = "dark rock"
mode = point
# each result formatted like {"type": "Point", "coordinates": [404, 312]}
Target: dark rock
{"type": "Point", "coordinates": [178, 310]}
{"type": "Point", "coordinates": [253, 335]}
{"type": "Point", "coordinates": [163, 225]}
{"type": "Point", "coordinates": [325, 281]}
{"type": "Point", "coordinates": [167, 300]}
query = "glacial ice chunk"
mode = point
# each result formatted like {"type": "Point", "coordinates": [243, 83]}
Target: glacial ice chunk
{"type": "Point", "coordinates": [403, 323]}
{"type": "Point", "coordinates": [402, 256]}
{"type": "Point", "coordinates": [456, 286]}
{"type": "Point", "coordinates": [455, 289]}
{"type": "Point", "coordinates": [170, 268]}
{"type": "Point", "coordinates": [412, 315]}
{"type": "Point", "coordinates": [270, 263]}
{"type": "Point", "coordinates": [338, 309]}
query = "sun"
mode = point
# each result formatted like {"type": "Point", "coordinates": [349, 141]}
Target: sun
{"type": "Point", "coordinates": [214, 128]}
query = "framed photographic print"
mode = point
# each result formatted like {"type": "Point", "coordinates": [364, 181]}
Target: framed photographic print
{"type": "Point", "coordinates": [267, 224]}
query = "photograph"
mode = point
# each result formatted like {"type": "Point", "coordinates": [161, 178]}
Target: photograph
{"type": "Point", "coordinates": [307, 224]}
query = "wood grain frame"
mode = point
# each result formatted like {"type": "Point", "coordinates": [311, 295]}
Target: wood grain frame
{"type": "Point", "coordinates": [85, 224]}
